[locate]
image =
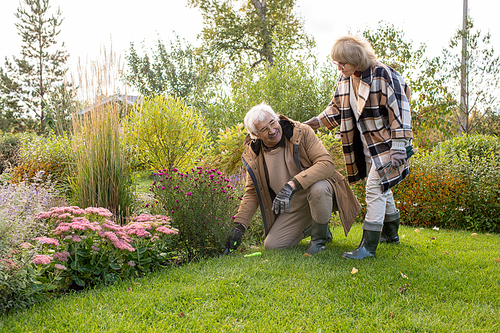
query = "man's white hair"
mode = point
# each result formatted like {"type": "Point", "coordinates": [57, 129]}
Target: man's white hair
{"type": "Point", "coordinates": [257, 113]}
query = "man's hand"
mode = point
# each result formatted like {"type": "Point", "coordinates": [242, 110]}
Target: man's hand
{"type": "Point", "coordinates": [233, 241]}
{"type": "Point", "coordinates": [398, 157]}
{"type": "Point", "coordinates": [314, 123]}
{"type": "Point", "coordinates": [281, 203]}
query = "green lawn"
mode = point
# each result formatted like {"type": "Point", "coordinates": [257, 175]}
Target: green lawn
{"type": "Point", "coordinates": [453, 285]}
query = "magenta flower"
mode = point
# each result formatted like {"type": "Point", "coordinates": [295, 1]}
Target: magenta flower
{"type": "Point", "coordinates": [189, 194]}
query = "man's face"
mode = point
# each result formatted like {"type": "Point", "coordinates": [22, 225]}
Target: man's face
{"type": "Point", "coordinates": [269, 130]}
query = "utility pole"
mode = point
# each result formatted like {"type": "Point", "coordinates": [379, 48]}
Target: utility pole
{"type": "Point", "coordinates": [464, 127]}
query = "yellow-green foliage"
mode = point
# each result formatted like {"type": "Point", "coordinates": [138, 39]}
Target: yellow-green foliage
{"type": "Point", "coordinates": [51, 154]}
{"type": "Point", "coordinates": [165, 133]}
{"type": "Point", "coordinates": [229, 148]}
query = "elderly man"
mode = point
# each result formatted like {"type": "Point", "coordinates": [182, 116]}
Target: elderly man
{"type": "Point", "coordinates": [291, 176]}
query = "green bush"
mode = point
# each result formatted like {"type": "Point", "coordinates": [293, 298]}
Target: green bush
{"type": "Point", "coordinates": [457, 185]}
{"type": "Point", "coordinates": [9, 151]}
{"type": "Point", "coordinates": [166, 133]}
{"type": "Point", "coordinates": [228, 149]}
{"type": "Point", "coordinates": [201, 203]}
{"type": "Point", "coordinates": [51, 154]}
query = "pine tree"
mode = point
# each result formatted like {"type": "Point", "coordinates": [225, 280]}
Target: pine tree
{"type": "Point", "coordinates": [27, 82]}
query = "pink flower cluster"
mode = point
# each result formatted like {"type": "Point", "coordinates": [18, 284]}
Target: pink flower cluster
{"type": "Point", "coordinates": [76, 224]}
{"type": "Point", "coordinates": [61, 256]}
{"type": "Point", "coordinates": [116, 235]}
{"type": "Point", "coordinates": [41, 259]}
{"type": "Point", "coordinates": [61, 213]}
{"type": "Point", "coordinates": [9, 264]}
{"type": "Point", "coordinates": [145, 226]}
{"type": "Point", "coordinates": [48, 240]}
{"type": "Point", "coordinates": [98, 211]}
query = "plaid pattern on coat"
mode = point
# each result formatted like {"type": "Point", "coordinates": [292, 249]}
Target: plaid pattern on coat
{"type": "Point", "coordinates": [383, 102]}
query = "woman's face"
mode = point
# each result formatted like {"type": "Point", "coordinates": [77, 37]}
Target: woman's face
{"type": "Point", "coordinates": [346, 68]}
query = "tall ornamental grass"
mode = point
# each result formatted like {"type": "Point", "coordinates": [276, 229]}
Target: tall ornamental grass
{"type": "Point", "coordinates": [102, 171]}
{"type": "Point", "coordinates": [457, 185]}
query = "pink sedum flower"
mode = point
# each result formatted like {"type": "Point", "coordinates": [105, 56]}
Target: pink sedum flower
{"type": "Point", "coordinates": [59, 266]}
{"type": "Point", "coordinates": [41, 259]}
{"type": "Point", "coordinates": [61, 256]}
{"type": "Point", "coordinates": [48, 240]}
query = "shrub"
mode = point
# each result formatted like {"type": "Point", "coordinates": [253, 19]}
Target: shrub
{"type": "Point", "coordinates": [334, 147]}
{"type": "Point", "coordinates": [201, 203]}
{"type": "Point", "coordinates": [9, 151]}
{"type": "Point", "coordinates": [165, 132]}
{"type": "Point", "coordinates": [102, 175]}
{"type": "Point", "coordinates": [228, 149]}
{"type": "Point", "coordinates": [19, 203]}
{"type": "Point", "coordinates": [455, 186]}
{"type": "Point", "coordinates": [51, 154]}
{"type": "Point", "coordinates": [85, 247]}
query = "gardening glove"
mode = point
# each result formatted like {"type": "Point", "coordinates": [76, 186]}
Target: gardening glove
{"type": "Point", "coordinates": [398, 157]}
{"type": "Point", "coordinates": [281, 203]}
{"type": "Point", "coordinates": [234, 240]}
{"type": "Point", "coordinates": [314, 122]}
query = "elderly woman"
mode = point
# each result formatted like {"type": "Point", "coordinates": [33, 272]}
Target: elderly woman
{"type": "Point", "coordinates": [371, 106]}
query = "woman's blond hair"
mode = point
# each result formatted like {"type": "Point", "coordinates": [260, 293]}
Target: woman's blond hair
{"type": "Point", "coordinates": [355, 50]}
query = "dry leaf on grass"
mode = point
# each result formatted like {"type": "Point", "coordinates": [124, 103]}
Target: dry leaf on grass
{"type": "Point", "coordinates": [403, 276]}
{"type": "Point", "coordinates": [474, 234]}
{"type": "Point", "coordinates": [354, 270]}
{"type": "Point", "coordinates": [307, 255]}
{"type": "Point", "coordinates": [416, 230]}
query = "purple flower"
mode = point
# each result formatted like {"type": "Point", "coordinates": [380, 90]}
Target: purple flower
{"type": "Point", "coordinates": [188, 194]}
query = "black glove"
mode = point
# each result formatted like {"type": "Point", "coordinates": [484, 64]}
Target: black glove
{"type": "Point", "coordinates": [233, 241]}
{"type": "Point", "coordinates": [398, 157]}
{"type": "Point", "coordinates": [281, 203]}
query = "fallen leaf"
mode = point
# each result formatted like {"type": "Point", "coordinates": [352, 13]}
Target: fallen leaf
{"type": "Point", "coordinates": [181, 315]}
{"type": "Point", "coordinates": [416, 230]}
{"type": "Point", "coordinates": [433, 238]}
{"type": "Point", "coordinates": [390, 315]}
{"type": "Point", "coordinates": [307, 255]}
{"type": "Point", "coordinates": [474, 234]}
{"type": "Point", "coordinates": [496, 260]}
{"type": "Point", "coordinates": [403, 276]}
{"type": "Point", "coordinates": [488, 234]}
{"type": "Point", "coordinates": [446, 253]}
{"type": "Point", "coordinates": [436, 228]}
{"type": "Point", "coordinates": [129, 289]}
{"type": "Point", "coordinates": [354, 270]}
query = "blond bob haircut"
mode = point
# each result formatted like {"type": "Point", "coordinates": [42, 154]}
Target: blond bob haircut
{"type": "Point", "coordinates": [257, 113]}
{"type": "Point", "coordinates": [355, 50]}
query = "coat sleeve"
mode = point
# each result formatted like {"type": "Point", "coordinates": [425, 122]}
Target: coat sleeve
{"type": "Point", "coordinates": [312, 150]}
{"type": "Point", "coordinates": [330, 117]}
{"type": "Point", "coordinates": [398, 106]}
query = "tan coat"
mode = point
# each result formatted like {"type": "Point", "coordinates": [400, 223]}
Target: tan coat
{"type": "Point", "coordinates": [314, 163]}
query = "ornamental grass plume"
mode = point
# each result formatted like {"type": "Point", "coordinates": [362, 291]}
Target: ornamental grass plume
{"type": "Point", "coordinates": [200, 203]}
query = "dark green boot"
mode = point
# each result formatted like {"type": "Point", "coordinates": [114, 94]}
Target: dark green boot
{"type": "Point", "coordinates": [320, 234]}
{"type": "Point", "coordinates": [366, 248]}
{"type": "Point", "coordinates": [390, 229]}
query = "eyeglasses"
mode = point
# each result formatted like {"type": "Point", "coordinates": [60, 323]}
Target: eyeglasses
{"type": "Point", "coordinates": [266, 129]}
{"type": "Point", "coordinates": [340, 65]}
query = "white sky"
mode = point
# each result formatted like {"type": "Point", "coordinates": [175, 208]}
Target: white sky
{"type": "Point", "coordinates": [89, 25]}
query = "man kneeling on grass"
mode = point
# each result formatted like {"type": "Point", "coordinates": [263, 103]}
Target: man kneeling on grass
{"type": "Point", "coordinates": [291, 176]}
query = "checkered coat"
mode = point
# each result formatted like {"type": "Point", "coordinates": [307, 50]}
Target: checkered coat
{"type": "Point", "coordinates": [384, 115]}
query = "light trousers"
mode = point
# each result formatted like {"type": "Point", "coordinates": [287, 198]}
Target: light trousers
{"type": "Point", "coordinates": [288, 229]}
{"type": "Point", "coordinates": [378, 204]}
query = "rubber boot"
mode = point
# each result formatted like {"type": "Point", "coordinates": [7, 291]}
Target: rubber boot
{"type": "Point", "coordinates": [366, 248]}
{"type": "Point", "coordinates": [390, 229]}
{"type": "Point", "coordinates": [320, 234]}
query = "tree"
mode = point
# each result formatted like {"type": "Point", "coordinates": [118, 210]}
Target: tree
{"type": "Point", "coordinates": [245, 31]}
{"type": "Point", "coordinates": [430, 101]}
{"type": "Point", "coordinates": [481, 73]}
{"type": "Point", "coordinates": [179, 71]}
{"type": "Point", "coordinates": [30, 79]}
